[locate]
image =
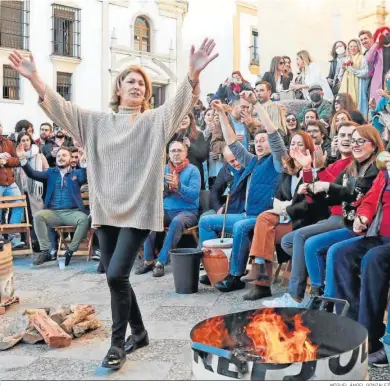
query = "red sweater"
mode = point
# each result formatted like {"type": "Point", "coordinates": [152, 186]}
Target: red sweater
{"type": "Point", "coordinates": [330, 174]}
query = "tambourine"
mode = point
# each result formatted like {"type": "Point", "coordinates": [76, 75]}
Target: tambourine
{"type": "Point", "coordinates": [380, 160]}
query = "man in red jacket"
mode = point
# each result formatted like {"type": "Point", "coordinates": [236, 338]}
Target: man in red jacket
{"type": "Point", "coordinates": [362, 269]}
{"type": "Point", "coordinates": [8, 187]}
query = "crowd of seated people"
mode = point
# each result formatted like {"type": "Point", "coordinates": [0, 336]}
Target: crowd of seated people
{"type": "Point", "coordinates": [304, 183]}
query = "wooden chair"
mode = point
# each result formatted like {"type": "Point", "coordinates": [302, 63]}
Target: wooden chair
{"type": "Point", "coordinates": [24, 227]}
{"type": "Point", "coordinates": [85, 247]}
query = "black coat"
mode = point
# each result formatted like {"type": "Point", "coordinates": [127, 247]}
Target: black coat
{"type": "Point", "coordinates": [269, 77]}
{"type": "Point", "coordinates": [299, 211]}
{"type": "Point", "coordinates": [347, 191]}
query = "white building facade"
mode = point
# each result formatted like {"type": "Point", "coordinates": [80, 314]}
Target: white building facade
{"type": "Point", "coordinates": [80, 46]}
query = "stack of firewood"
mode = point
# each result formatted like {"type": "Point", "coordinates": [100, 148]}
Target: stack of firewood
{"type": "Point", "coordinates": [57, 327]}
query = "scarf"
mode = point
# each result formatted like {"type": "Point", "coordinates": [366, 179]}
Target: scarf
{"type": "Point", "coordinates": [176, 170]}
{"type": "Point", "coordinates": [350, 82]}
{"type": "Point", "coordinates": [33, 188]}
{"type": "Point", "coordinates": [341, 59]}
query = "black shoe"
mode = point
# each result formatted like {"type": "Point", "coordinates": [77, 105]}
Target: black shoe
{"type": "Point", "coordinates": [115, 358]}
{"type": "Point", "coordinates": [230, 283]}
{"type": "Point", "coordinates": [144, 268]}
{"type": "Point", "coordinates": [134, 342]}
{"type": "Point", "coordinates": [68, 255]}
{"type": "Point", "coordinates": [42, 258]}
{"type": "Point", "coordinates": [378, 358]}
{"type": "Point", "coordinates": [257, 292]}
{"type": "Point", "coordinates": [35, 246]}
{"type": "Point", "coordinates": [204, 279]}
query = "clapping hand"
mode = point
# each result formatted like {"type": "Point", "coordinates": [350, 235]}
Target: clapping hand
{"type": "Point", "coordinates": [319, 157]}
{"type": "Point", "coordinates": [319, 187]}
{"type": "Point", "coordinates": [249, 96]}
{"type": "Point", "coordinates": [173, 181]}
{"type": "Point", "coordinates": [304, 160]}
{"type": "Point", "coordinates": [303, 189]}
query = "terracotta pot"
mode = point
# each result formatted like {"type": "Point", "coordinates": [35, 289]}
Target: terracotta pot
{"type": "Point", "coordinates": [216, 256]}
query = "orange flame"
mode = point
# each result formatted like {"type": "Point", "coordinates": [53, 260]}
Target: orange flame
{"type": "Point", "coordinates": [213, 332]}
{"type": "Point", "coordinates": [275, 343]}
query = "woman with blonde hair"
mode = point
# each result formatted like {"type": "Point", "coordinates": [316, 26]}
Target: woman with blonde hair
{"type": "Point", "coordinates": [126, 153]}
{"type": "Point", "coordinates": [310, 76]}
{"type": "Point", "coordinates": [340, 116]}
{"type": "Point", "coordinates": [355, 76]}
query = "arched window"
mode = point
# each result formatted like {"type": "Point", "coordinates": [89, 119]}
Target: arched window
{"type": "Point", "coordinates": [142, 35]}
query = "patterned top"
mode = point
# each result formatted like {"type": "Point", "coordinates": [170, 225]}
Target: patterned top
{"type": "Point", "coordinates": [126, 154]}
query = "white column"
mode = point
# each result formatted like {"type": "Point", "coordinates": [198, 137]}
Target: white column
{"type": "Point", "coordinates": [105, 55]}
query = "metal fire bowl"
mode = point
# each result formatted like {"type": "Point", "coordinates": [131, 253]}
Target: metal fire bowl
{"type": "Point", "coordinates": [342, 352]}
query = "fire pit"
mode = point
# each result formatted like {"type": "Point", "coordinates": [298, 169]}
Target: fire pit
{"type": "Point", "coordinates": [289, 344]}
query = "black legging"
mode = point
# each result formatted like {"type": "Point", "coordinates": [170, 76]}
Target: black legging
{"type": "Point", "coordinates": [119, 248]}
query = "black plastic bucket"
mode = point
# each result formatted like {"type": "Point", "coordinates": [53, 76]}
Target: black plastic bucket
{"type": "Point", "coordinates": [185, 266]}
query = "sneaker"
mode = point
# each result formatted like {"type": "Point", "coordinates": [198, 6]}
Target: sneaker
{"type": "Point", "coordinates": [284, 301]}
{"type": "Point", "coordinates": [378, 358]}
{"type": "Point", "coordinates": [96, 255]}
{"type": "Point", "coordinates": [35, 246]}
{"type": "Point", "coordinates": [42, 258]}
{"type": "Point", "coordinates": [158, 270]}
{"type": "Point", "coordinates": [68, 256]}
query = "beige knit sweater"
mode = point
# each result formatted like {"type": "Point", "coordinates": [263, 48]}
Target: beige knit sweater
{"type": "Point", "coordinates": [126, 156]}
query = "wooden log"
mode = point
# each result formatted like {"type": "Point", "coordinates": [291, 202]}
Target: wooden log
{"type": "Point", "coordinates": [78, 307]}
{"type": "Point", "coordinates": [10, 341]}
{"type": "Point", "coordinates": [52, 333]}
{"type": "Point", "coordinates": [78, 316]}
{"type": "Point", "coordinates": [32, 311]}
{"type": "Point", "coordinates": [91, 323]}
{"type": "Point", "coordinates": [60, 315]}
{"type": "Point", "coordinates": [32, 336]}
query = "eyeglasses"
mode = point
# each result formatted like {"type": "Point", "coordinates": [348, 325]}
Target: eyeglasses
{"type": "Point", "coordinates": [282, 63]}
{"type": "Point", "coordinates": [291, 120]}
{"type": "Point", "coordinates": [176, 151]}
{"type": "Point", "coordinates": [359, 141]}
{"type": "Point", "coordinates": [315, 131]}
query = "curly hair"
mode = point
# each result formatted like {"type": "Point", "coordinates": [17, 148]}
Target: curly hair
{"type": "Point", "coordinates": [115, 98]}
{"type": "Point", "coordinates": [333, 53]}
{"type": "Point", "coordinates": [379, 33]}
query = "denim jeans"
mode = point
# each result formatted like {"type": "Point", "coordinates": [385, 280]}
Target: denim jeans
{"type": "Point", "coordinates": [240, 225]}
{"type": "Point", "coordinates": [293, 244]}
{"type": "Point", "coordinates": [322, 248]}
{"type": "Point", "coordinates": [361, 276]}
{"type": "Point", "coordinates": [178, 222]}
{"type": "Point", "coordinates": [12, 190]}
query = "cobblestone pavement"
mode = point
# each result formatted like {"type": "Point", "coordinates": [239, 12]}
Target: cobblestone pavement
{"type": "Point", "coordinates": [168, 317]}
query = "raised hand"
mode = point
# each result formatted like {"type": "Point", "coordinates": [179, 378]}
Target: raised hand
{"type": "Point", "coordinates": [217, 106]}
{"type": "Point", "coordinates": [25, 67]}
{"type": "Point", "coordinates": [249, 96]}
{"type": "Point", "coordinates": [200, 59]}
{"type": "Point", "coordinates": [20, 151]}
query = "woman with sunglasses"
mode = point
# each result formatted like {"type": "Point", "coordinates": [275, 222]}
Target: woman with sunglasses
{"type": "Point", "coordinates": [275, 77]}
{"type": "Point", "coordinates": [292, 125]}
{"type": "Point", "coordinates": [344, 101]}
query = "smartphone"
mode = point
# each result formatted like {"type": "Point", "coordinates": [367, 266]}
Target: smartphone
{"type": "Point", "coordinates": [308, 176]}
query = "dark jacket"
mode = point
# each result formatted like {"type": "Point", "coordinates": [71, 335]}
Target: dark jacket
{"type": "Point", "coordinates": [7, 171]}
{"type": "Point", "coordinates": [327, 146]}
{"type": "Point", "coordinates": [227, 176]}
{"type": "Point", "coordinates": [264, 174]}
{"type": "Point", "coordinates": [348, 191]}
{"type": "Point", "coordinates": [269, 77]}
{"type": "Point", "coordinates": [299, 211]}
{"type": "Point", "coordinates": [74, 180]}
{"type": "Point", "coordinates": [357, 117]}
{"type": "Point", "coordinates": [226, 94]}
{"type": "Point", "coordinates": [324, 111]}
{"type": "Point", "coordinates": [198, 152]}
{"type": "Point", "coordinates": [48, 148]}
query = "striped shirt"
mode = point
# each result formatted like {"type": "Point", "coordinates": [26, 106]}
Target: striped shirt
{"type": "Point", "coordinates": [126, 156]}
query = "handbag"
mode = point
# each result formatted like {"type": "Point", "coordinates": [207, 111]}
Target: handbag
{"type": "Point", "coordinates": [286, 95]}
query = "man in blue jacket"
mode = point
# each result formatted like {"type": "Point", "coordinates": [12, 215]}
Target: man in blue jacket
{"type": "Point", "coordinates": [181, 207]}
{"type": "Point", "coordinates": [63, 204]}
{"type": "Point", "coordinates": [257, 187]}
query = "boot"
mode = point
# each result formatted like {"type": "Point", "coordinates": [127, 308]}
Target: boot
{"type": "Point", "coordinates": [257, 292]}
{"type": "Point", "coordinates": [257, 273]}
